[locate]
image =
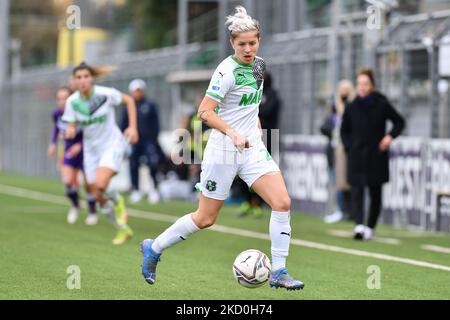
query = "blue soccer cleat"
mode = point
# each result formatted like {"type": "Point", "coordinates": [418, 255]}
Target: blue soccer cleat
{"type": "Point", "coordinates": [149, 261]}
{"type": "Point", "coordinates": [281, 279]}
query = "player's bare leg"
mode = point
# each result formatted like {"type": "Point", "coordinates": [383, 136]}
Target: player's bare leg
{"type": "Point", "coordinates": [204, 217]}
{"type": "Point", "coordinates": [112, 204]}
{"type": "Point", "coordinates": [92, 218]}
{"type": "Point", "coordinates": [69, 178]}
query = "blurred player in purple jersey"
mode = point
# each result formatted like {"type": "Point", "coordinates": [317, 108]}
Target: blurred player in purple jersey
{"type": "Point", "coordinates": [71, 162]}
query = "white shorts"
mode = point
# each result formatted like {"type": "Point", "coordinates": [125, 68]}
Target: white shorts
{"type": "Point", "coordinates": [220, 167]}
{"type": "Point", "coordinates": [110, 156]}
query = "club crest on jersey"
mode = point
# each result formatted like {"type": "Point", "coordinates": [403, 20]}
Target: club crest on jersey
{"type": "Point", "coordinates": [211, 185]}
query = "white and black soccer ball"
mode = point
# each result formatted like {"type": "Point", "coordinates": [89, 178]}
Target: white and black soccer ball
{"type": "Point", "coordinates": [252, 268]}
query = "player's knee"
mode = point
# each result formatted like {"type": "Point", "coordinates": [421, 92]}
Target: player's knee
{"type": "Point", "coordinates": [101, 185]}
{"type": "Point", "coordinates": [204, 221]}
{"type": "Point", "coordinates": [207, 222]}
{"type": "Point", "coordinates": [67, 186]}
{"type": "Point", "coordinates": [282, 204]}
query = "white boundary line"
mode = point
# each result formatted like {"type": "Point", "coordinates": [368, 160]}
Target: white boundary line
{"type": "Point", "coordinates": [349, 234]}
{"type": "Point", "coordinates": [25, 193]}
{"type": "Point", "coordinates": [434, 248]}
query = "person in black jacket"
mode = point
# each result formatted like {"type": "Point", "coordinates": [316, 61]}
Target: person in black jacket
{"type": "Point", "coordinates": [363, 133]}
{"type": "Point", "coordinates": [148, 146]}
{"type": "Point", "coordinates": [269, 109]}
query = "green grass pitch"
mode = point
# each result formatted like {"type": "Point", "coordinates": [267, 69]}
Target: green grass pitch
{"type": "Point", "coordinates": [37, 246]}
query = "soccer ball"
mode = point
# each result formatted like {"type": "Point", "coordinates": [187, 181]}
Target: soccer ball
{"type": "Point", "coordinates": [251, 268]}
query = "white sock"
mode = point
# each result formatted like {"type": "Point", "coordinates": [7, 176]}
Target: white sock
{"type": "Point", "coordinates": [108, 210]}
{"type": "Point", "coordinates": [180, 230]}
{"type": "Point", "coordinates": [111, 194]}
{"type": "Point", "coordinates": [280, 234]}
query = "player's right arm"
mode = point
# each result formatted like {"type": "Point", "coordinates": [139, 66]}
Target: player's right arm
{"type": "Point", "coordinates": [208, 116]}
{"type": "Point", "coordinates": [221, 83]}
{"type": "Point", "coordinates": [70, 118]}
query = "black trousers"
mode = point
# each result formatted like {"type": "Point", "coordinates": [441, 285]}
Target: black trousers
{"type": "Point", "coordinates": [152, 158]}
{"type": "Point", "coordinates": [357, 204]}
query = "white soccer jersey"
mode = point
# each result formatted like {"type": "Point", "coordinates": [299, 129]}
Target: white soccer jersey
{"type": "Point", "coordinates": [238, 89]}
{"type": "Point", "coordinates": [96, 115]}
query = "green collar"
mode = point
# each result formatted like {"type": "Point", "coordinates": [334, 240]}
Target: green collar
{"type": "Point", "coordinates": [243, 64]}
{"type": "Point", "coordinates": [92, 93]}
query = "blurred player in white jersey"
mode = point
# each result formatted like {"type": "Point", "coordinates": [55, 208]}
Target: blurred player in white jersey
{"type": "Point", "coordinates": [235, 147]}
{"type": "Point", "coordinates": [92, 107]}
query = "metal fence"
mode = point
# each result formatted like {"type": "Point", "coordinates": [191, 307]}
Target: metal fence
{"type": "Point", "coordinates": [27, 102]}
{"type": "Point", "coordinates": [417, 195]}
{"type": "Point", "coordinates": [305, 64]}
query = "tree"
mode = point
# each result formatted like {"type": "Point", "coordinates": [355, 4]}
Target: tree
{"type": "Point", "coordinates": [150, 20]}
{"type": "Point", "coordinates": [35, 24]}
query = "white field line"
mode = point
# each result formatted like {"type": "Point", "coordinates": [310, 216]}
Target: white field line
{"type": "Point", "coordinates": [432, 247]}
{"type": "Point", "coordinates": [37, 209]}
{"type": "Point", "coordinates": [348, 234]}
{"type": "Point", "coordinates": [25, 193]}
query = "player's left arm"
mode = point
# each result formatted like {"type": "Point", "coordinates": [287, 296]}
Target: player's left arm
{"type": "Point", "coordinates": [71, 120]}
{"type": "Point", "coordinates": [131, 131]}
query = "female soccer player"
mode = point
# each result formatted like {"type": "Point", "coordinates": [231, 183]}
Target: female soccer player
{"type": "Point", "coordinates": [104, 145]}
{"type": "Point", "coordinates": [234, 147]}
{"type": "Point", "coordinates": [72, 162]}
